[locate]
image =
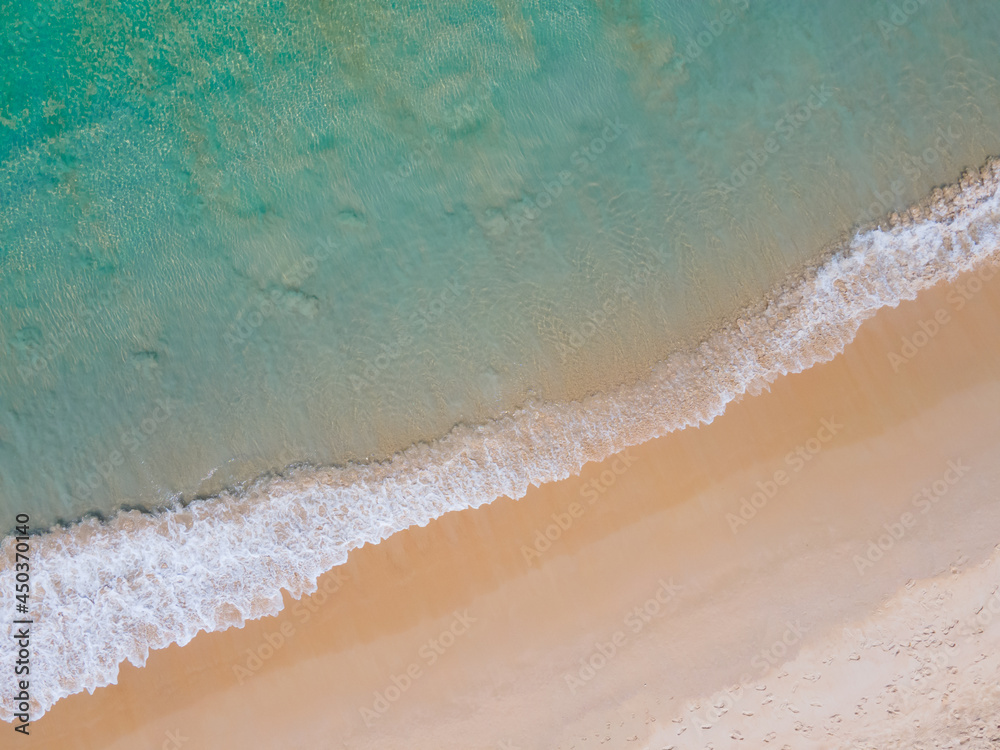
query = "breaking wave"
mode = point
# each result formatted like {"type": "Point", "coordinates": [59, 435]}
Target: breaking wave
{"type": "Point", "coordinates": [106, 592]}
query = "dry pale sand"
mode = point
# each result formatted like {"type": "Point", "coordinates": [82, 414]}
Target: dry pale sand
{"type": "Point", "coordinates": [650, 621]}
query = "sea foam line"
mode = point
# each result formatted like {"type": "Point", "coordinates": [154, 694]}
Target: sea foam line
{"type": "Point", "coordinates": [107, 592]}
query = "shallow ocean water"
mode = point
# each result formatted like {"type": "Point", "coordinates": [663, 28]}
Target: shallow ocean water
{"type": "Point", "coordinates": [237, 237]}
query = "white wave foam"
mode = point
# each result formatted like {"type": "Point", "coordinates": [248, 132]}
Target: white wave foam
{"type": "Point", "coordinates": [103, 593]}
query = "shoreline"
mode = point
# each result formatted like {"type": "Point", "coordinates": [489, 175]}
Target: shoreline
{"type": "Point", "coordinates": [780, 599]}
{"type": "Point", "coordinates": [305, 522]}
{"type": "Point", "coordinates": [939, 205]}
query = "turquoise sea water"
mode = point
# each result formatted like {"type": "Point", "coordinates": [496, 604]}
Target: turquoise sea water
{"type": "Point", "coordinates": [234, 237]}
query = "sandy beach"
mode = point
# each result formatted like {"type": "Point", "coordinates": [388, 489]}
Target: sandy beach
{"type": "Point", "coordinates": [818, 567]}
{"type": "Point", "coordinates": [500, 376]}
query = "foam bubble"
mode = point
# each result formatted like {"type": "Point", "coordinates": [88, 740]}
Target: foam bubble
{"type": "Point", "coordinates": [107, 592]}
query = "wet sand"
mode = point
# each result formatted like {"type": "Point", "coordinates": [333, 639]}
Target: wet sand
{"type": "Point", "coordinates": [658, 590]}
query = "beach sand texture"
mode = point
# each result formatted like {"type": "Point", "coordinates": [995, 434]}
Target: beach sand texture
{"type": "Point", "coordinates": [659, 592]}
